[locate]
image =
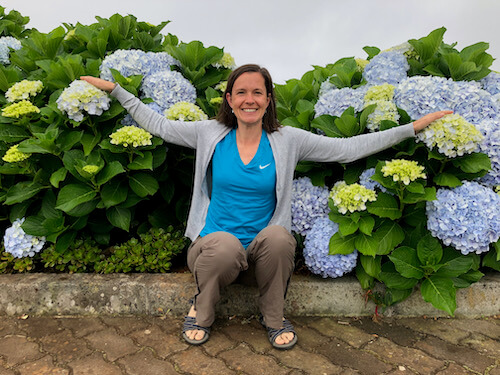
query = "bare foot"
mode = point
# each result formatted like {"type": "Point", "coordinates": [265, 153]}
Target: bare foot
{"type": "Point", "coordinates": [195, 334]}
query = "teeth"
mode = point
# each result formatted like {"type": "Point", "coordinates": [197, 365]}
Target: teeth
{"type": "Point", "coordinates": [249, 110]}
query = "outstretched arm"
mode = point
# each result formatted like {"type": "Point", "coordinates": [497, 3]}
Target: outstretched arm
{"type": "Point", "coordinates": [101, 84]}
{"type": "Point", "coordinates": [423, 122]}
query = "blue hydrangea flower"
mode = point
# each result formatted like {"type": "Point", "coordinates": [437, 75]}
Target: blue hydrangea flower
{"type": "Point", "coordinates": [316, 251]}
{"type": "Point", "coordinates": [491, 83]}
{"type": "Point", "coordinates": [333, 101]}
{"type": "Point", "coordinates": [387, 67]}
{"type": "Point", "coordinates": [419, 96]}
{"type": "Point", "coordinates": [308, 203]}
{"type": "Point", "coordinates": [491, 147]}
{"type": "Point", "coordinates": [20, 244]}
{"type": "Point", "coordinates": [7, 43]}
{"type": "Point", "coordinates": [167, 88]}
{"type": "Point", "coordinates": [135, 62]}
{"type": "Point", "coordinates": [367, 182]}
{"type": "Point", "coordinates": [466, 217]}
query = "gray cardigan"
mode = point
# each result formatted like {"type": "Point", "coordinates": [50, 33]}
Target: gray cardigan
{"type": "Point", "coordinates": [289, 145]}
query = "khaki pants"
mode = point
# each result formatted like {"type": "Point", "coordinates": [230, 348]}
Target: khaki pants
{"type": "Point", "coordinates": [217, 259]}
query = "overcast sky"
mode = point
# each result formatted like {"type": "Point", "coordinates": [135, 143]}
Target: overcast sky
{"type": "Point", "coordinates": [288, 37]}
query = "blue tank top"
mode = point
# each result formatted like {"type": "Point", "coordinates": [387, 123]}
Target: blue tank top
{"type": "Point", "coordinates": [243, 196]}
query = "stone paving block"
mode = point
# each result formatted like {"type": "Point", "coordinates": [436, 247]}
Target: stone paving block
{"type": "Point", "coordinates": [483, 326]}
{"type": "Point", "coordinates": [454, 369]}
{"type": "Point", "coordinates": [144, 363]}
{"type": "Point", "coordinates": [217, 343]}
{"type": "Point", "coordinates": [111, 343]}
{"type": "Point", "coordinates": [43, 366]}
{"type": "Point", "coordinates": [308, 362]}
{"type": "Point", "coordinates": [82, 326]}
{"type": "Point", "coordinates": [310, 339]}
{"type": "Point", "coordinates": [8, 326]}
{"type": "Point", "coordinates": [162, 344]}
{"type": "Point", "coordinates": [388, 328]}
{"type": "Point", "coordinates": [408, 357]}
{"type": "Point", "coordinates": [64, 346]}
{"type": "Point", "coordinates": [243, 359]}
{"type": "Point", "coordinates": [37, 327]}
{"type": "Point", "coordinates": [341, 354]}
{"type": "Point", "coordinates": [251, 333]}
{"type": "Point", "coordinates": [94, 365]}
{"type": "Point", "coordinates": [126, 324]}
{"type": "Point", "coordinates": [4, 371]}
{"type": "Point", "coordinates": [443, 350]}
{"type": "Point", "coordinates": [483, 344]}
{"type": "Point", "coordinates": [436, 327]}
{"type": "Point", "coordinates": [18, 349]}
{"type": "Point", "coordinates": [352, 335]}
{"type": "Point", "coordinates": [495, 370]}
{"type": "Point", "coordinates": [168, 324]}
{"type": "Point", "coordinates": [193, 361]}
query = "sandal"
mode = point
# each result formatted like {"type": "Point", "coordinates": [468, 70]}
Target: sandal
{"type": "Point", "coordinates": [190, 325]}
{"type": "Point", "coordinates": [273, 333]}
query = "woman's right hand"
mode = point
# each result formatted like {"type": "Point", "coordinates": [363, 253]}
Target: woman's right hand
{"type": "Point", "coordinates": [101, 84]}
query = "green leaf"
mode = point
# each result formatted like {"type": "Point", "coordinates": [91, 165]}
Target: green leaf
{"type": "Point", "coordinates": [341, 245]}
{"type": "Point", "coordinates": [429, 250]}
{"type": "Point", "coordinates": [73, 195]}
{"type": "Point", "coordinates": [385, 206]}
{"type": "Point", "coordinates": [473, 163]}
{"type": "Point", "coordinates": [22, 191]}
{"type": "Point", "coordinates": [89, 141]}
{"type": "Point", "coordinates": [366, 224]}
{"type": "Point", "coordinates": [326, 123]}
{"type": "Point", "coordinates": [388, 235]}
{"type": "Point", "coordinates": [12, 133]}
{"type": "Point", "coordinates": [366, 281]}
{"type": "Point", "coordinates": [366, 245]}
{"type": "Point", "coordinates": [33, 225]}
{"type": "Point", "coordinates": [440, 292]}
{"type": "Point", "coordinates": [392, 279]}
{"type": "Point", "coordinates": [58, 176]}
{"type": "Point", "coordinates": [65, 240]}
{"type": "Point", "coordinates": [406, 262]}
{"type": "Point", "coordinates": [143, 184]}
{"type": "Point", "coordinates": [427, 46]}
{"type": "Point", "coordinates": [347, 226]}
{"type": "Point", "coordinates": [347, 124]}
{"type": "Point", "coordinates": [113, 193]}
{"type": "Point", "coordinates": [447, 179]}
{"type": "Point", "coordinates": [371, 265]}
{"type": "Point", "coordinates": [119, 217]}
{"type": "Point", "coordinates": [490, 260]}
{"type": "Point", "coordinates": [455, 264]}
{"type": "Point", "coordinates": [108, 172]}
{"type": "Point", "coordinates": [142, 162]}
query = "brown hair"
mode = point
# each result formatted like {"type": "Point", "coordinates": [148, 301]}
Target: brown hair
{"type": "Point", "coordinates": [226, 116]}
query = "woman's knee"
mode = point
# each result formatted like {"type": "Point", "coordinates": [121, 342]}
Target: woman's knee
{"type": "Point", "coordinates": [222, 250]}
{"type": "Point", "coordinates": [276, 241]}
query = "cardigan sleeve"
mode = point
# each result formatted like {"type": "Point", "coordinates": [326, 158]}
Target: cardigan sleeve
{"type": "Point", "coordinates": [313, 147]}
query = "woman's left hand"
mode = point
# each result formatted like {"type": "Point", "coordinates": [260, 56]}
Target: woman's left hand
{"type": "Point", "coordinates": [423, 122]}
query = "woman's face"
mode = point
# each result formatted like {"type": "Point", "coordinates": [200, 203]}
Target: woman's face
{"type": "Point", "coordinates": [249, 99]}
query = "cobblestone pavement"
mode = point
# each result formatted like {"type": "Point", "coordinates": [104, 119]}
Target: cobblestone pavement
{"type": "Point", "coordinates": [153, 345]}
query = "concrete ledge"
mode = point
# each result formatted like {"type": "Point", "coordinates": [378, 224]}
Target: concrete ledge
{"type": "Point", "coordinates": [153, 294]}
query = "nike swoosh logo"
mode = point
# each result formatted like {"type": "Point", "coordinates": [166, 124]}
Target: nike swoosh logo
{"type": "Point", "coordinates": [264, 166]}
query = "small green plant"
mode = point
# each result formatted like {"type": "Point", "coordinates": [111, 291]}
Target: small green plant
{"type": "Point", "coordinates": [9, 264]}
{"type": "Point", "coordinates": [153, 252]}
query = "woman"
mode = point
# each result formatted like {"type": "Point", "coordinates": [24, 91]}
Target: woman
{"type": "Point", "coordinates": [240, 212]}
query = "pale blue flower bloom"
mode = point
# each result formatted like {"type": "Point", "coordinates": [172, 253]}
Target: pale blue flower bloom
{"type": "Point", "coordinates": [20, 244]}
{"type": "Point", "coordinates": [466, 217]}
{"type": "Point", "coordinates": [129, 121]}
{"type": "Point", "coordinates": [167, 88]}
{"type": "Point", "coordinates": [6, 43]}
{"type": "Point", "coordinates": [491, 83]}
{"type": "Point", "coordinates": [317, 247]}
{"type": "Point", "coordinates": [387, 67]}
{"type": "Point", "coordinates": [491, 147]}
{"type": "Point", "coordinates": [308, 203]}
{"type": "Point", "coordinates": [333, 101]}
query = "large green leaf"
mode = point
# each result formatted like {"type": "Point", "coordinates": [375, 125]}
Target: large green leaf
{"type": "Point", "coordinates": [366, 281]}
{"type": "Point", "coordinates": [366, 245]}
{"type": "Point", "coordinates": [73, 195]}
{"type": "Point", "coordinates": [143, 184]}
{"type": "Point", "coordinates": [491, 260]}
{"type": "Point", "coordinates": [447, 179]}
{"type": "Point", "coordinates": [12, 133]}
{"type": "Point", "coordinates": [385, 206]}
{"type": "Point", "coordinates": [113, 193]}
{"type": "Point", "coordinates": [372, 265]}
{"type": "Point", "coordinates": [326, 123]}
{"type": "Point", "coordinates": [393, 279]}
{"type": "Point", "coordinates": [473, 163]}
{"type": "Point", "coordinates": [406, 261]}
{"type": "Point", "coordinates": [119, 217]}
{"type": "Point", "coordinates": [22, 191]}
{"type": "Point", "coordinates": [109, 171]}
{"type": "Point", "coordinates": [341, 245]}
{"type": "Point", "coordinates": [388, 235]}
{"type": "Point", "coordinates": [142, 162]}
{"type": "Point", "coordinates": [440, 292]}
{"type": "Point", "coordinates": [455, 264]}
{"type": "Point", "coordinates": [429, 250]}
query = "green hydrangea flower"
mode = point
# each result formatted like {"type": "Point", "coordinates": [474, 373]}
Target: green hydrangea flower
{"type": "Point", "coordinates": [23, 90]}
{"type": "Point", "coordinates": [221, 86]}
{"type": "Point", "coordinates": [216, 101]}
{"type": "Point", "coordinates": [351, 197]}
{"type": "Point", "coordinates": [131, 136]}
{"type": "Point", "coordinates": [91, 169]}
{"type": "Point", "coordinates": [382, 96]}
{"type": "Point", "coordinates": [452, 135]}
{"type": "Point", "coordinates": [497, 189]}
{"type": "Point", "coordinates": [185, 111]}
{"type": "Point", "coordinates": [13, 155]}
{"type": "Point", "coordinates": [380, 92]}
{"type": "Point", "coordinates": [24, 107]}
{"type": "Point", "coordinates": [227, 61]}
{"type": "Point", "coordinates": [361, 64]}
{"type": "Point", "coordinates": [402, 170]}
